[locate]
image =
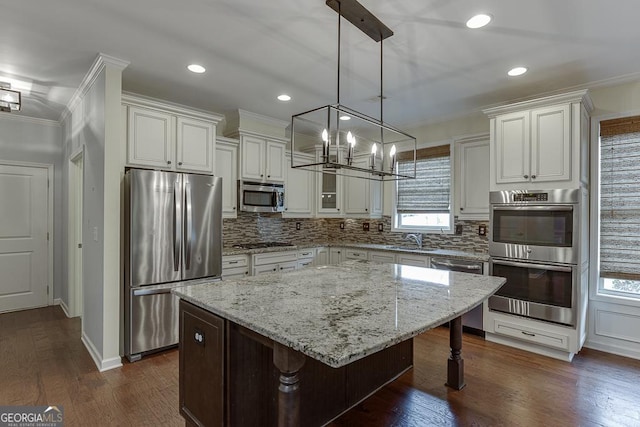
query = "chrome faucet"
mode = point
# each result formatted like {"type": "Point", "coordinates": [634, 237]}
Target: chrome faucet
{"type": "Point", "coordinates": [417, 237]}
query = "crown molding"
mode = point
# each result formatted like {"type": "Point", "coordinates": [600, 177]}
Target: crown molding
{"type": "Point", "coordinates": [575, 96]}
{"type": "Point", "coordinates": [101, 61]}
{"type": "Point", "coordinates": [159, 104]}
{"type": "Point", "coordinates": [28, 119]}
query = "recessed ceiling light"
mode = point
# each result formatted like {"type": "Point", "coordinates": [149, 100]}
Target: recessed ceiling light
{"type": "Point", "coordinates": [517, 71]}
{"type": "Point", "coordinates": [195, 68]}
{"type": "Point", "coordinates": [345, 118]}
{"type": "Point", "coordinates": [478, 21]}
{"type": "Point", "coordinates": [284, 97]}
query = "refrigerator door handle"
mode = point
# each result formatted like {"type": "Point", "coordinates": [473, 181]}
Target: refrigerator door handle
{"type": "Point", "coordinates": [176, 227]}
{"type": "Point", "coordinates": [143, 292]}
{"type": "Point", "coordinates": [189, 226]}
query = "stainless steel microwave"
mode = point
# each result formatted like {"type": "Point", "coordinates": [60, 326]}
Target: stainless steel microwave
{"type": "Point", "coordinates": [260, 197]}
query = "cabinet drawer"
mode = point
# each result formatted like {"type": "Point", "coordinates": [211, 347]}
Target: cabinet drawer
{"type": "Point", "coordinates": [355, 254]}
{"type": "Point", "coordinates": [234, 261]}
{"type": "Point", "coordinates": [235, 273]}
{"type": "Point", "coordinates": [415, 260]}
{"type": "Point", "coordinates": [306, 253]}
{"type": "Point", "coordinates": [532, 335]}
{"type": "Point", "coordinates": [382, 257]}
{"type": "Point", "coordinates": [274, 257]}
{"type": "Point", "coordinates": [304, 263]}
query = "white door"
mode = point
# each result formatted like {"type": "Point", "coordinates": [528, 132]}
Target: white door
{"type": "Point", "coordinates": [23, 237]}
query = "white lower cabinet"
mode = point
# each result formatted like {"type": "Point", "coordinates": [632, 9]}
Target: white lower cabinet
{"type": "Point", "coordinates": [382, 257]}
{"type": "Point", "coordinates": [306, 257]}
{"type": "Point", "coordinates": [322, 256]}
{"type": "Point", "coordinates": [235, 266]}
{"type": "Point", "coordinates": [274, 261]}
{"type": "Point", "coordinates": [533, 335]}
{"type": "Point", "coordinates": [415, 260]}
{"type": "Point", "coordinates": [355, 254]}
{"type": "Point", "coordinates": [336, 255]}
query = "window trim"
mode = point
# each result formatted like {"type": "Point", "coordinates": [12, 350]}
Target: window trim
{"type": "Point", "coordinates": [596, 291]}
{"type": "Point", "coordinates": [429, 230]}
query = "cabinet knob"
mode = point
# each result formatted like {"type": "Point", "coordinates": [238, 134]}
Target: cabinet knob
{"type": "Point", "coordinates": [168, 162]}
{"type": "Point", "coordinates": [526, 176]}
{"type": "Point", "coordinates": [280, 268]}
{"type": "Point", "coordinates": [533, 177]}
{"type": "Point", "coordinates": [261, 175]}
{"type": "Point", "coordinates": [338, 209]}
{"type": "Point", "coordinates": [461, 209]}
{"type": "Point", "coordinates": [286, 209]}
{"type": "Point", "coordinates": [274, 269]}
{"type": "Point", "coordinates": [179, 163]}
{"type": "Point", "coordinates": [268, 176]}
{"type": "Point", "coordinates": [246, 272]}
{"type": "Point", "coordinates": [234, 208]}
{"type": "Point", "coordinates": [366, 209]}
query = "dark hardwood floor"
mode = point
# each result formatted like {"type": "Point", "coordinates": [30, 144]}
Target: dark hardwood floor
{"type": "Point", "coordinates": [43, 362]}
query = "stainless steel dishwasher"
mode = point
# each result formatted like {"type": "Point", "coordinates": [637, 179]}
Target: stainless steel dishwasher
{"type": "Point", "coordinates": [471, 321]}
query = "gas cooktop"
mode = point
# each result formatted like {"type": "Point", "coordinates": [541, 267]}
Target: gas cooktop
{"type": "Point", "coordinates": [261, 245]}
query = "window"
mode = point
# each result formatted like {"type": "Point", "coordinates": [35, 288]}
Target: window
{"type": "Point", "coordinates": [423, 204]}
{"type": "Point", "coordinates": [620, 207]}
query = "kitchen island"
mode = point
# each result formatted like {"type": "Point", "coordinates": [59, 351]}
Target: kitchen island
{"type": "Point", "coordinates": [350, 326]}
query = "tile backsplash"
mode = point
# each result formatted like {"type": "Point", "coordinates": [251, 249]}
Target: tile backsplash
{"type": "Point", "coordinates": [255, 227]}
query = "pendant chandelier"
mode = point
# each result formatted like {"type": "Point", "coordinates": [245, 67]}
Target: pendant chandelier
{"type": "Point", "coordinates": [343, 139]}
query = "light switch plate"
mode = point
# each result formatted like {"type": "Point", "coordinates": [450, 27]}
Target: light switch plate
{"type": "Point", "coordinates": [380, 226]}
{"type": "Point", "coordinates": [365, 226]}
{"type": "Point", "coordinates": [482, 230]}
{"type": "Point", "coordinates": [342, 226]}
{"type": "Point", "coordinates": [298, 225]}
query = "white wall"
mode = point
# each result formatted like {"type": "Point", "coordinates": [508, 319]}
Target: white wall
{"type": "Point", "coordinates": [24, 139]}
{"type": "Point", "coordinates": [94, 125]}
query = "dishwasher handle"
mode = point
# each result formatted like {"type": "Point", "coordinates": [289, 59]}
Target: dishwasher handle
{"type": "Point", "coordinates": [449, 265]}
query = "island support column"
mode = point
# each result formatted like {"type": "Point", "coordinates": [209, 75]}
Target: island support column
{"type": "Point", "coordinates": [289, 362]}
{"type": "Point", "coordinates": [455, 364]}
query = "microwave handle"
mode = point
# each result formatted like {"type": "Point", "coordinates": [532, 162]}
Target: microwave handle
{"type": "Point", "coordinates": [530, 265]}
{"type": "Point", "coordinates": [533, 208]}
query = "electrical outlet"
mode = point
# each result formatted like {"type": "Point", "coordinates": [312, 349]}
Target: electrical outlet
{"type": "Point", "coordinates": [458, 229]}
{"type": "Point", "coordinates": [298, 226]}
{"type": "Point", "coordinates": [482, 230]}
{"type": "Point", "coordinates": [380, 226]}
{"type": "Point", "coordinates": [365, 226]}
{"type": "Point", "coordinates": [342, 226]}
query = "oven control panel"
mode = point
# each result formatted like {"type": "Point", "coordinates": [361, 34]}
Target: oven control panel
{"type": "Point", "coordinates": [531, 197]}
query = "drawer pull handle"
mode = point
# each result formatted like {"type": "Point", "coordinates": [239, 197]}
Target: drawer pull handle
{"type": "Point", "coordinates": [233, 262]}
{"type": "Point", "coordinates": [529, 334]}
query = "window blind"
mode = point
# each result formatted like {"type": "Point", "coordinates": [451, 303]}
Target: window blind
{"type": "Point", "coordinates": [430, 190]}
{"type": "Point", "coordinates": [620, 198]}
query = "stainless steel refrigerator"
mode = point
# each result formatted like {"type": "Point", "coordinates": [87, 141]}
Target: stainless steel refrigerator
{"type": "Point", "coordinates": [173, 237]}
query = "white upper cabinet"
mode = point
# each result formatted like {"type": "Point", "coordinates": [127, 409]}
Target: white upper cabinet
{"type": "Point", "coordinates": [227, 168]}
{"type": "Point", "coordinates": [150, 138]}
{"type": "Point", "coordinates": [195, 145]}
{"type": "Point", "coordinates": [261, 159]}
{"type": "Point", "coordinates": [299, 189]}
{"type": "Point", "coordinates": [362, 196]}
{"type": "Point", "coordinates": [169, 137]}
{"type": "Point", "coordinates": [540, 144]}
{"type": "Point", "coordinates": [473, 171]}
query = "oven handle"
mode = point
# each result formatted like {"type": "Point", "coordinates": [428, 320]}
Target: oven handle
{"type": "Point", "coordinates": [531, 265]}
{"type": "Point", "coordinates": [533, 208]}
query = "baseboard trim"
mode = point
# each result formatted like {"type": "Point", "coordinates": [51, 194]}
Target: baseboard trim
{"type": "Point", "coordinates": [613, 349]}
{"type": "Point", "coordinates": [63, 306]}
{"type": "Point", "coordinates": [102, 365]}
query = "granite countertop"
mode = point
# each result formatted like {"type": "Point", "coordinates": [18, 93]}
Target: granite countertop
{"type": "Point", "coordinates": [339, 314]}
{"type": "Point", "coordinates": [475, 256]}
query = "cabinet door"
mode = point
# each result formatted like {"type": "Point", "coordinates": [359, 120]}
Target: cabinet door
{"type": "Point", "coordinates": [201, 379]}
{"type": "Point", "coordinates": [299, 194]}
{"type": "Point", "coordinates": [415, 260]}
{"type": "Point", "coordinates": [194, 145]}
{"type": "Point", "coordinates": [322, 257]}
{"type": "Point", "coordinates": [382, 257]}
{"type": "Point", "coordinates": [474, 178]}
{"type": "Point", "coordinates": [275, 164]}
{"type": "Point", "coordinates": [150, 138]}
{"type": "Point", "coordinates": [512, 148]}
{"type": "Point", "coordinates": [267, 268]}
{"type": "Point", "coordinates": [226, 167]}
{"type": "Point", "coordinates": [356, 194]}
{"type": "Point", "coordinates": [252, 158]}
{"type": "Point", "coordinates": [288, 266]}
{"type": "Point", "coordinates": [336, 255]}
{"type": "Point", "coordinates": [551, 144]}
{"type": "Point", "coordinates": [375, 198]}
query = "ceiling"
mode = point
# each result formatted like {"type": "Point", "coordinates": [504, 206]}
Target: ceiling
{"type": "Point", "coordinates": [434, 67]}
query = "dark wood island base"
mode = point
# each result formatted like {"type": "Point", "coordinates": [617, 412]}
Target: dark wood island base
{"type": "Point", "coordinates": [232, 376]}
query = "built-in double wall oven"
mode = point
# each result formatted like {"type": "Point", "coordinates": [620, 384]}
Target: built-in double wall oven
{"type": "Point", "coordinates": [534, 244]}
